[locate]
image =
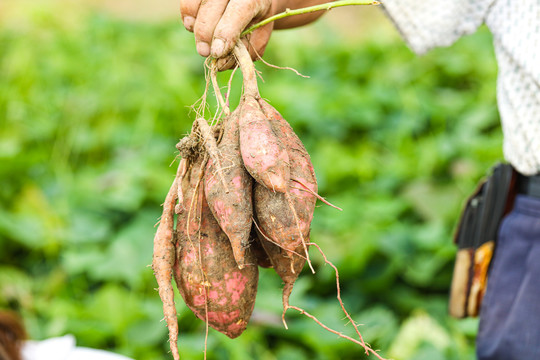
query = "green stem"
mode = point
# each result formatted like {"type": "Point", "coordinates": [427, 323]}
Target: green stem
{"type": "Point", "coordinates": [309, 9]}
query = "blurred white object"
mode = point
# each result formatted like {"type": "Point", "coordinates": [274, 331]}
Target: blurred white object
{"type": "Point", "coordinates": [64, 348]}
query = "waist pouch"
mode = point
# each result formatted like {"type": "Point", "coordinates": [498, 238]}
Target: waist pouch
{"type": "Point", "coordinates": [475, 237]}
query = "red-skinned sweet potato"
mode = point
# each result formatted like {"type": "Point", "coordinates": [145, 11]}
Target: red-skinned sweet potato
{"type": "Point", "coordinates": [287, 265]}
{"type": "Point", "coordinates": [276, 217]}
{"type": "Point", "coordinates": [285, 219]}
{"type": "Point", "coordinates": [264, 156]}
{"type": "Point", "coordinates": [229, 190]}
{"type": "Point", "coordinates": [206, 274]}
{"type": "Point", "coordinates": [285, 132]}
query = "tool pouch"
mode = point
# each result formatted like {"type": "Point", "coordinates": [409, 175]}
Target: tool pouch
{"type": "Point", "coordinates": [475, 237]}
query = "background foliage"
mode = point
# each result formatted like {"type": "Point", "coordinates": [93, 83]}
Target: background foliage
{"type": "Point", "coordinates": [90, 110]}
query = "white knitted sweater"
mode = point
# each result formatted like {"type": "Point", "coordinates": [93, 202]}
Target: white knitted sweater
{"type": "Point", "coordinates": [515, 25]}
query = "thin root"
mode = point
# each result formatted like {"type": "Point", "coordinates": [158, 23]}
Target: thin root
{"type": "Point", "coordinates": [339, 292]}
{"type": "Point", "coordinates": [205, 299]}
{"type": "Point", "coordinates": [367, 348]}
{"type": "Point", "coordinates": [229, 86]}
{"type": "Point", "coordinates": [191, 205]}
{"type": "Point", "coordinates": [205, 280]}
{"type": "Point", "coordinates": [291, 205]}
{"type": "Point", "coordinates": [211, 147]}
{"type": "Point", "coordinates": [217, 91]}
{"type": "Point", "coordinates": [306, 188]}
{"type": "Point", "coordinates": [274, 242]}
{"type": "Point", "coordinates": [276, 66]}
{"type": "Point", "coordinates": [181, 172]}
{"type": "Point", "coordinates": [283, 318]}
{"type": "Point", "coordinates": [201, 104]}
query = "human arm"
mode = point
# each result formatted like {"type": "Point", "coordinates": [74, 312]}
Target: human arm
{"type": "Point", "coordinates": [298, 20]}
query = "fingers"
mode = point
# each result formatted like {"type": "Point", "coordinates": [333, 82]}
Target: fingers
{"type": "Point", "coordinates": [208, 17]}
{"type": "Point", "coordinates": [217, 25]}
{"type": "Point", "coordinates": [237, 15]}
{"type": "Point", "coordinates": [188, 11]}
{"type": "Point", "coordinates": [256, 45]}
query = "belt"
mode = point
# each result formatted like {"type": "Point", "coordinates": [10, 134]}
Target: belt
{"type": "Point", "coordinates": [529, 185]}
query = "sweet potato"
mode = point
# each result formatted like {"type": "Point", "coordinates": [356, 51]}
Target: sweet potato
{"type": "Point", "coordinates": [303, 183]}
{"type": "Point", "coordinates": [162, 264]}
{"type": "Point", "coordinates": [256, 247]}
{"type": "Point", "coordinates": [264, 156]}
{"type": "Point", "coordinates": [287, 265]}
{"type": "Point", "coordinates": [282, 128]}
{"type": "Point", "coordinates": [282, 242]}
{"type": "Point", "coordinates": [206, 273]}
{"type": "Point", "coordinates": [285, 219]}
{"type": "Point", "coordinates": [231, 204]}
{"type": "Point", "coordinates": [298, 155]}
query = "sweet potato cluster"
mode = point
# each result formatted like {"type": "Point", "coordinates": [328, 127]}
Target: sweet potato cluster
{"type": "Point", "coordinates": [243, 197]}
{"type": "Point", "coordinates": [256, 177]}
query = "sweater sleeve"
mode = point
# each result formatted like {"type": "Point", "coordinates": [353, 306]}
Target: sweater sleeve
{"type": "Point", "coordinates": [426, 24]}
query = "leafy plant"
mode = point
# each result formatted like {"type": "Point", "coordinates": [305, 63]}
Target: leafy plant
{"type": "Point", "coordinates": [90, 111]}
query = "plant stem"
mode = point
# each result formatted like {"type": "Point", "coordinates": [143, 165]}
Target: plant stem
{"type": "Point", "coordinates": [217, 91]}
{"type": "Point", "coordinates": [248, 69]}
{"type": "Point", "coordinates": [309, 9]}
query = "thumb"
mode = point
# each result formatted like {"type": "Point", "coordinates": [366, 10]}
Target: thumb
{"type": "Point", "coordinates": [255, 43]}
{"type": "Point", "coordinates": [237, 16]}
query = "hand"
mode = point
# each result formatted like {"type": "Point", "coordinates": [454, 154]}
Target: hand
{"type": "Point", "coordinates": [217, 25]}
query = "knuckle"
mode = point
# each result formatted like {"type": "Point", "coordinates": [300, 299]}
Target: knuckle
{"type": "Point", "coordinates": [223, 31]}
{"type": "Point", "coordinates": [202, 30]}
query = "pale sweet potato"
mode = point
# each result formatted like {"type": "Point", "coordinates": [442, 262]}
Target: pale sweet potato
{"type": "Point", "coordinates": [285, 219]}
{"type": "Point", "coordinates": [162, 264]}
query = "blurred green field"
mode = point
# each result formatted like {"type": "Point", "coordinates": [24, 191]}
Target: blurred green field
{"type": "Point", "coordinates": [91, 107]}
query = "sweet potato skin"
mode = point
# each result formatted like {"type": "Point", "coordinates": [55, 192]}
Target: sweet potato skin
{"type": "Point", "coordinates": [280, 227]}
{"type": "Point", "coordinates": [162, 264]}
{"type": "Point", "coordinates": [273, 210]}
{"type": "Point", "coordinates": [205, 271]}
{"type": "Point", "coordinates": [264, 156]}
{"type": "Point", "coordinates": [296, 151]}
{"type": "Point", "coordinates": [286, 264]}
{"type": "Point", "coordinates": [229, 191]}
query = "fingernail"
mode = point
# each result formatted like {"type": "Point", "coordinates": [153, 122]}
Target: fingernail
{"type": "Point", "coordinates": [203, 48]}
{"type": "Point", "coordinates": [189, 21]}
{"type": "Point", "coordinates": [218, 46]}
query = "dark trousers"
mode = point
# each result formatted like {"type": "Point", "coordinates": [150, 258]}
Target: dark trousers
{"type": "Point", "coordinates": [510, 314]}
